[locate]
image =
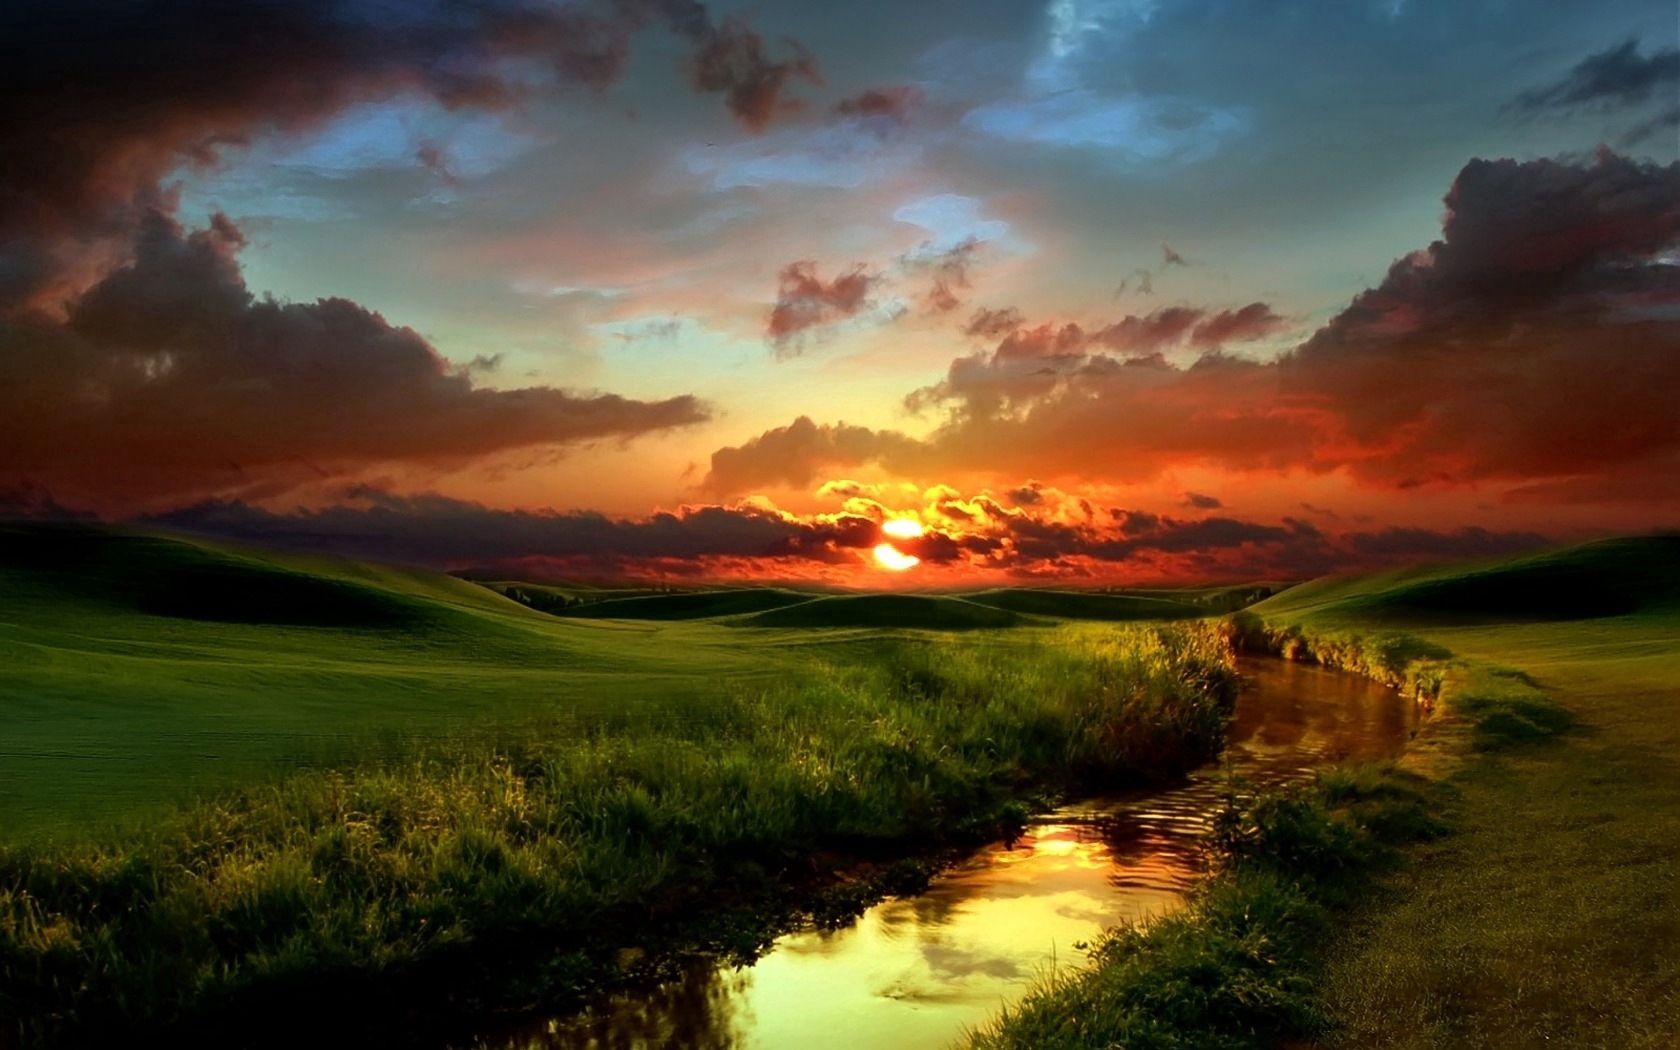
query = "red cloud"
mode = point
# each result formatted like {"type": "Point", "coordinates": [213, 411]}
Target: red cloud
{"type": "Point", "coordinates": [805, 301]}
{"type": "Point", "coordinates": [1536, 342]}
{"type": "Point", "coordinates": [169, 379]}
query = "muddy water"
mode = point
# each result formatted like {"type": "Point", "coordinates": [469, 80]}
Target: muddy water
{"type": "Point", "coordinates": [915, 972]}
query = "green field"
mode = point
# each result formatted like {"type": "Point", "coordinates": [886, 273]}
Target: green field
{"type": "Point", "coordinates": [231, 778]}
{"type": "Point", "coordinates": [235, 778]}
{"type": "Point", "coordinates": [144, 669]}
{"type": "Point", "coordinates": [1538, 903]}
{"type": "Point", "coordinates": [1552, 916]}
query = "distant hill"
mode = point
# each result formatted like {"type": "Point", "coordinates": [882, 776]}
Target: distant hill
{"type": "Point", "coordinates": [1085, 605]}
{"type": "Point", "coordinates": [687, 605]}
{"type": "Point", "coordinates": [103, 570]}
{"type": "Point", "coordinates": [135, 668]}
{"type": "Point", "coordinates": [1618, 577]}
{"type": "Point", "coordinates": [885, 610]}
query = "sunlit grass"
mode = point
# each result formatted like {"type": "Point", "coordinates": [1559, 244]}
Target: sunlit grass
{"type": "Point", "coordinates": [503, 876]}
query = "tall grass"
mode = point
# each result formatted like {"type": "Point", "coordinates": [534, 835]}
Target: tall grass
{"type": "Point", "coordinates": [1401, 661]}
{"type": "Point", "coordinates": [1237, 966]}
{"type": "Point", "coordinates": [518, 875]}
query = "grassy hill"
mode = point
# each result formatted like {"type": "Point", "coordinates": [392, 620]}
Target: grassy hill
{"type": "Point", "coordinates": [140, 667]}
{"type": "Point", "coordinates": [886, 610]}
{"type": "Point", "coordinates": [1549, 917]}
{"type": "Point", "coordinates": [1085, 605]}
{"type": "Point", "coordinates": [1617, 577]}
{"type": "Point", "coordinates": [687, 605]}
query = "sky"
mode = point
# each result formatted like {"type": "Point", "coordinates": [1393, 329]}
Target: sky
{"type": "Point", "coordinates": [1073, 292]}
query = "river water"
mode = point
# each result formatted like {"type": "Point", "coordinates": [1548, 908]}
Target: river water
{"type": "Point", "coordinates": [916, 972]}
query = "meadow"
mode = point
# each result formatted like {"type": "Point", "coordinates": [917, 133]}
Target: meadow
{"type": "Point", "coordinates": [1512, 882]}
{"type": "Point", "coordinates": [235, 780]}
{"type": "Point", "coordinates": [404, 796]}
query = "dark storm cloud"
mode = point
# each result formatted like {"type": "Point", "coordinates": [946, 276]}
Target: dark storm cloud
{"type": "Point", "coordinates": [805, 301]}
{"type": "Point", "coordinates": [104, 98]}
{"type": "Point", "coordinates": [1537, 340]}
{"type": "Point", "coordinates": [1036, 538]}
{"type": "Point", "coordinates": [136, 363]}
{"type": "Point", "coordinates": [169, 378]}
{"type": "Point", "coordinates": [439, 531]}
{"type": "Point", "coordinates": [1615, 77]}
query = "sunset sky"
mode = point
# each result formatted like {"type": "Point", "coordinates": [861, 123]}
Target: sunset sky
{"type": "Point", "coordinates": [1094, 291]}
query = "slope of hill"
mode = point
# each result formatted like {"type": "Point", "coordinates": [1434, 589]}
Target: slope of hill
{"type": "Point", "coordinates": [139, 667]}
{"type": "Point", "coordinates": [1085, 605]}
{"type": "Point", "coordinates": [934, 612]}
{"type": "Point", "coordinates": [687, 605]}
{"type": "Point", "coordinates": [1617, 577]}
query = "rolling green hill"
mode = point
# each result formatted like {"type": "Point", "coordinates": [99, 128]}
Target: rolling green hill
{"type": "Point", "coordinates": [1085, 605]}
{"type": "Point", "coordinates": [687, 605]}
{"type": "Point", "coordinates": [885, 610]}
{"type": "Point", "coordinates": [140, 668]}
{"type": "Point", "coordinates": [1618, 577]}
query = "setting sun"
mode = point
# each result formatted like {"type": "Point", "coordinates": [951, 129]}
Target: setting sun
{"type": "Point", "coordinates": [894, 560]}
{"type": "Point", "coordinates": [890, 557]}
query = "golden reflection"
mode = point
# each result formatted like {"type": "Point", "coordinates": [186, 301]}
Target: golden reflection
{"type": "Point", "coordinates": [914, 972]}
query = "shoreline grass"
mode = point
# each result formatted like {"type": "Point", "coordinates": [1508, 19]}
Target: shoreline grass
{"type": "Point", "coordinates": [1254, 957]}
{"type": "Point", "coordinates": [503, 880]}
{"type": "Point", "coordinates": [1236, 966]}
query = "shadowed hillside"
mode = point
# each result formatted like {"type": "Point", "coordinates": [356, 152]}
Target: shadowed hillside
{"type": "Point", "coordinates": [1085, 605]}
{"type": "Point", "coordinates": [1619, 577]}
{"type": "Point", "coordinates": [691, 605]}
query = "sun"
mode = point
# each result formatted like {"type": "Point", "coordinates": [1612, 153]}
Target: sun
{"type": "Point", "coordinates": [890, 557]}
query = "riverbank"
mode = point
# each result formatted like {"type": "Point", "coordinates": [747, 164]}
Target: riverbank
{"type": "Point", "coordinates": [1548, 915]}
{"type": "Point", "coordinates": [1552, 915]}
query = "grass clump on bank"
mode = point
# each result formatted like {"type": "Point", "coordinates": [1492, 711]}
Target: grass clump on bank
{"type": "Point", "coordinates": [1236, 966]}
{"type": "Point", "coordinates": [515, 876]}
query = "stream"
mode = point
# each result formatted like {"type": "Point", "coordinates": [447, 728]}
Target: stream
{"type": "Point", "coordinates": [916, 972]}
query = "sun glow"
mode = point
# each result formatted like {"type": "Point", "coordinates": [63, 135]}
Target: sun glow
{"type": "Point", "coordinates": [890, 557]}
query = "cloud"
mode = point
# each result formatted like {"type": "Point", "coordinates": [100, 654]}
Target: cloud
{"type": "Point", "coordinates": [1667, 120]}
{"type": "Point", "coordinates": [843, 154]}
{"type": "Point", "coordinates": [795, 454]}
{"type": "Point", "coordinates": [1251, 322]}
{"type": "Point", "coordinates": [1198, 501]}
{"type": "Point", "coordinates": [890, 103]}
{"type": "Point", "coordinates": [1170, 257]}
{"type": "Point", "coordinates": [951, 219]}
{"type": "Point", "coordinates": [1129, 131]}
{"type": "Point", "coordinates": [949, 270]}
{"type": "Point", "coordinates": [160, 86]}
{"type": "Point", "coordinates": [1040, 533]}
{"type": "Point", "coordinates": [1536, 342]}
{"type": "Point", "coordinates": [1616, 77]}
{"type": "Point", "coordinates": [730, 59]}
{"type": "Point", "coordinates": [168, 378]}
{"type": "Point", "coordinates": [805, 301]}
{"type": "Point", "coordinates": [439, 531]}
{"type": "Point", "coordinates": [990, 324]}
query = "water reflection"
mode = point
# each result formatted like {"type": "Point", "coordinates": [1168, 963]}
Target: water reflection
{"type": "Point", "coordinates": [913, 972]}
